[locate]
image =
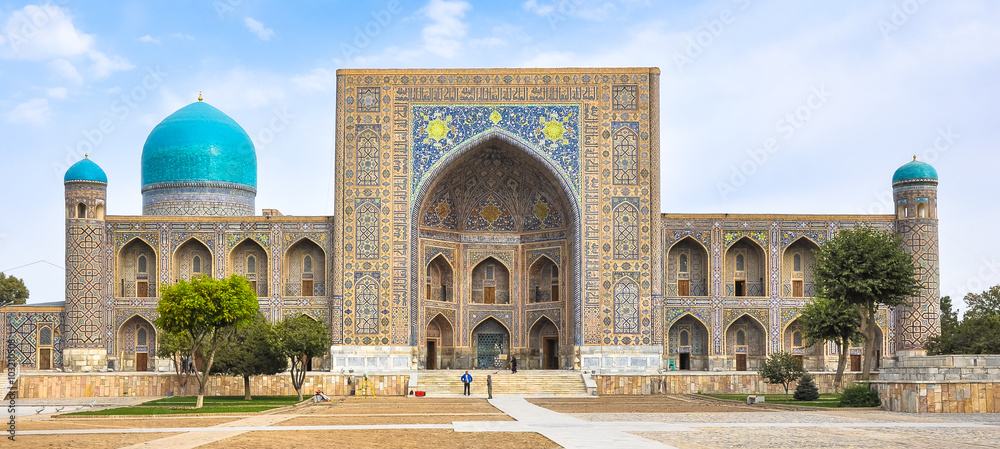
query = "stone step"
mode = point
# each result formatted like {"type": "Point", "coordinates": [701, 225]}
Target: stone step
{"type": "Point", "coordinates": [540, 382]}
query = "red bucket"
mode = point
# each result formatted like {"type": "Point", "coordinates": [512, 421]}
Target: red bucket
{"type": "Point", "coordinates": [419, 393]}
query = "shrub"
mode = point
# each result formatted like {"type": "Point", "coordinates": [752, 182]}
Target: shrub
{"type": "Point", "coordinates": [806, 389]}
{"type": "Point", "coordinates": [860, 395]}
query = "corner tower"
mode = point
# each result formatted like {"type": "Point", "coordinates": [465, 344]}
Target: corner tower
{"type": "Point", "coordinates": [914, 191]}
{"type": "Point", "coordinates": [199, 162]}
{"type": "Point", "coordinates": [86, 192]}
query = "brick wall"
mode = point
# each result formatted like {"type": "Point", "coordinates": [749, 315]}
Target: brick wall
{"type": "Point", "coordinates": [750, 383]}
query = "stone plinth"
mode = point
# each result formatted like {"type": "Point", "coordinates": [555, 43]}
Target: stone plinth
{"type": "Point", "coordinates": [84, 360]}
{"type": "Point", "coordinates": [941, 384]}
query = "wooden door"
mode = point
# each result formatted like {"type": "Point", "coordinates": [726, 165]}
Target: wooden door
{"type": "Point", "coordinates": [741, 288]}
{"type": "Point", "coordinates": [44, 358]}
{"type": "Point", "coordinates": [855, 362]}
{"type": "Point", "coordinates": [307, 287]}
{"type": "Point", "coordinates": [253, 286]}
{"type": "Point", "coordinates": [551, 360]}
{"type": "Point", "coordinates": [683, 287]}
{"type": "Point", "coordinates": [555, 292]}
{"type": "Point", "coordinates": [797, 289]}
{"type": "Point", "coordinates": [489, 295]}
{"type": "Point", "coordinates": [428, 295]}
{"type": "Point", "coordinates": [141, 361]}
{"type": "Point", "coordinates": [431, 355]}
{"type": "Point", "coordinates": [741, 362]}
{"type": "Point", "coordinates": [142, 289]}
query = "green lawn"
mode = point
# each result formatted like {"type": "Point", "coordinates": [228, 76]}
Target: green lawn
{"type": "Point", "coordinates": [213, 404]}
{"type": "Point", "coordinates": [825, 400]}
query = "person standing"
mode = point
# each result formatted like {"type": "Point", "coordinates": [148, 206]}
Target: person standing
{"type": "Point", "coordinates": [467, 380]}
{"type": "Point", "coordinates": [513, 364]}
{"type": "Point", "coordinates": [489, 387]}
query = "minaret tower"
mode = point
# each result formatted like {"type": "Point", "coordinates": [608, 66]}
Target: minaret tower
{"type": "Point", "coordinates": [86, 192]}
{"type": "Point", "coordinates": [914, 191]}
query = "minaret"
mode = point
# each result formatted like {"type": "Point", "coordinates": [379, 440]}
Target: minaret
{"type": "Point", "coordinates": [86, 192]}
{"type": "Point", "coordinates": [914, 191]}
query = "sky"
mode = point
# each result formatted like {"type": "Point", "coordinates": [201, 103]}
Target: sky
{"type": "Point", "coordinates": [848, 91]}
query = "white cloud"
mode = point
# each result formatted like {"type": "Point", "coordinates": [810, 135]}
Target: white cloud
{"type": "Point", "coordinates": [491, 41]}
{"type": "Point", "coordinates": [47, 33]}
{"type": "Point", "coordinates": [183, 36]}
{"type": "Point", "coordinates": [31, 112]}
{"type": "Point", "coordinates": [443, 36]}
{"type": "Point", "coordinates": [319, 79]}
{"type": "Point", "coordinates": [149, 39]}
{"type": "Point", "coordinates": [540, 10]}
{"type": "Point", "coordinates": [66, 70]}
{"type": "Point", "coordinates": [263, 33]}
{"type": "Point", "coordinates": [56, 92]}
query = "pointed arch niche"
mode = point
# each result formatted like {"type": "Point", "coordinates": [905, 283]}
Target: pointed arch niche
{"type": "Point", "coordinates": [440, 344]}
{"type": "Point", "coordinates": [490, 282]}
{"type": "Point", "coordinates": [797, 269]}
{"type": "Point", "coordinates": [745, 269]}
{"type": "Point", "coordinates": [543, 281]}
{"type": "Point", "coordinates": [249, 259]}
{"type": "Point", "coordinates": [305, 269]}
{"type": "Point", "coordinates": [136, 270]}
{"type": "Point", "coordinates": [543, 345]}
{"type": "Point", "coordinates": [687, 269]}
{"type": "Point", "coordinates": [687, 344]}
{"type": "Point", "coordinates": [746, 344]}
{"type": "Point", "coordinates": [192, 259]}
{"type": "Point", "coordinates": [137, 344]}
{"type": "Point", "coordinates": [439, 280]}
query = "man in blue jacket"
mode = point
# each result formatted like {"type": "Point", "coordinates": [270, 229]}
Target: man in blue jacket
{"type": "Point", "coordinates": [467, 380]}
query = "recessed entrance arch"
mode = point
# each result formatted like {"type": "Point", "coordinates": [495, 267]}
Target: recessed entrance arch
{"type": "Point", "coordinates": [543, 342]}
{"type": "Point", "coordinates": [440, 343]}
{"type": "Point", "coordinates": [491, 342]}
{"type": "Point", "coordinates": [494, 203]}
{"type": "Point", "coordinates": [136, 344]}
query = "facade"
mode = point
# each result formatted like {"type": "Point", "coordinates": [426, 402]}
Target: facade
{"type": "Point", "coordinates": [480, 214]}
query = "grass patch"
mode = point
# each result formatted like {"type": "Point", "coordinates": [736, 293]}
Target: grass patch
{"type": "Point", "coordinates": [829, 400]}
{"type": "Point", "coordinates": [179, 405]}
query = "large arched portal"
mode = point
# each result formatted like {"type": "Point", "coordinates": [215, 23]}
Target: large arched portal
{"type": "Point", "coordinates": [507, 222]}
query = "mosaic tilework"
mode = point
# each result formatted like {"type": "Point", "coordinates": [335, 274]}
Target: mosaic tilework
{"type": "Point", "coordinates": [625, 148]}
{"type": "Point", "coordinates": [84, 283]}
{"type": "Point", "coordinates": [626, 311]}
{"type": "Point", "coordinates": [22, 327]}
{"type": "Point", "coordinates": [921, 317]}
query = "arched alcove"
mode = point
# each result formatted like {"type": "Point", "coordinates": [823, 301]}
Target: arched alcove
{"type": "Point", "coordinates": [745, 269]}
{"type": "Point", "coordinates": [490, 282]}
{"type": "Point", "coordinates": [439, 280]}
{"type": "Point", "coordinates": [746, 343]}
{"type": "Point", "coordinates": [543, 281]}
{"type": "Point", "coordinates": [687, 269]}
{"type": "Point", "coordinates": [440, 344]}
{"type": "Point", "coordinates": [192, 259]}
{"type": "Point", "coordinates": [797, 264]}
{"type": "Point", "coordinates": [490, 340]}
{"type": "Point", "coordinates": [687, 344]}
{"type": "Point", "coordinates": [305, 269]}
{"type": "Point", "coordinates": [249, 259]}
{"type": "Point", "coordinates": [137, 344]}
{"type": "Point", "coordinates": [136, 270]}
{"type": "Point", "coordinates": [543, 345]}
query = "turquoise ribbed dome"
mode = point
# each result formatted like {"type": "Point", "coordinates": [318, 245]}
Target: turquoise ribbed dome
{"type": "Point", "coordinates": [914, 170]}
{"type": "Point", "coordinates": [199, 143]}
{"type": "Point", "coordinates": [85, 170]}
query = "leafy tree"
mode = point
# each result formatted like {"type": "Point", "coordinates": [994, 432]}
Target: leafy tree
{"type": "Point", "coordinates": [782, 368]}
{"type": "Point", "coordinates": [865, 267]}
{"type": "Point", "coordinates": [825, 319]}
{"type": "Point", "coordinates": [12, 290]}
{"type": "Point", "coordinates": [806, 389]}
{"type": "Point", "coordinates": [253, 351]}
{"type": "Point", "coordinates": [977, 333]}
{"type": "Point", "coordinates": [207, 311]}
{"type": "Point", "coordinates": [860, 395]}
{"type": "Point", "coordinates": [175, 346]}
{"type": "Point", "coordinates": [301, 338]}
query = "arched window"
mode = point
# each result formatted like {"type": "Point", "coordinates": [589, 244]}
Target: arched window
{"type": "Point", "coordinates": [307, 264]}
{"type": "Point", "coordinates": [741, 338]}
{"type": "Point", "coordinates": [141, 337]}
{"type": "Point", "coordinates": [740, 264]}
{"type": "Point", "coordinates": [797, 262]}
{"type": "Point", "coordinates": [251, 265]}
{"type": "Point", "coordinates": [683, 265]}
{"type": "Point", "coordinates": [81, 210]}
{"type": "Point", "coordinates": [196, 264]}
{"type": "Point", "coordinates": [555, 272]}
{"type": "Point", "coordinates": [685, 338]}
{"type": "Point", "coordinates": [922, 210]}
{"type": "Point", "coordinates": [797, 339]}
{"type": "Point", "coordinates": [489, 272]}
{"type": "Point", "coordinates": [45, 336]}
{"type": "Point", "coordinates": [141, 265]}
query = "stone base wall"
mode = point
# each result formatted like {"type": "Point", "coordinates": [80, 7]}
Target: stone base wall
{"type": "Point", "coordinates": [41, 386]}
{"type": "Point", "coordinates": [709, 383]}
{"type": "Point", "coordinates": [79, 360]}
{"type": "Point", "coordinates": [959, 397]}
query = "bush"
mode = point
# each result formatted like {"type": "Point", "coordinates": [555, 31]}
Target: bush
{"type": "Point", "coordinates": [860, 395]}
{"type": "Point", "coordinates": [806, 389]}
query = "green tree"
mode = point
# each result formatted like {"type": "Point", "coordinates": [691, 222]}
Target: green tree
{"type": "Point", "coordinates": [825, 319]}
{"type": "Point", "coordinates": [301, 338]}
{"type": "Point", "coordinates": [806, 389]}
{"type": "Point", "coordinates": [175, 346]}
{"type": "Point", "coordinates": [949, 318]}
{"type": "Point", "coordinates": [977, 333]}
{"type": "Point", "coordinates": [782, 368]}
{"type": "Point", "coordinates": [984, 304]}
{"type": "Point", "coordinates": [866, 268]}
{"type": "Point", "coordinates": [12, 290]}
{"type": "Point", "coordinates": [253, 351]}
{"type": "Point", "coordinates": [207, 311]}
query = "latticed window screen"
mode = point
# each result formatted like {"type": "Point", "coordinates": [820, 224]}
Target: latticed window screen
{"type": "Point", "coordinates": [626, 307]}
{"type": "Point", "coordinates": [367, 239]}
{"type": "Point", "coordinates": [366, 297]}
{"type": "Point", "coordinates": [368, 159]}
{"type": "Point", "coordinates": [625, 157]}
{"type": "Point", "coordinates": [626, 219]}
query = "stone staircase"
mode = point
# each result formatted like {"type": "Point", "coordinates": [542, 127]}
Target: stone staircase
{"type": "Point", "coordinates": [439, 383]}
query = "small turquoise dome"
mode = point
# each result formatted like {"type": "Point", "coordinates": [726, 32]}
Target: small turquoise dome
{"type": "Point", "coordinates": [199, 143]}
{"type": "Point", "coordinates": [85, 170]}
{"type": "Point", "coordinates": [914, 170]}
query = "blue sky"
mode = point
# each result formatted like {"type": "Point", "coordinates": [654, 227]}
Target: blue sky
{"type": "Point", "coordinates": [848, 91]}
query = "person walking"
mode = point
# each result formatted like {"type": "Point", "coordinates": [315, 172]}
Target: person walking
{"type": "Point", "coordinates": [467, 380]}
{"type": "Point", "coordinates": [513, 364]}
{"type": "Point", "coordinates": [489, 386]}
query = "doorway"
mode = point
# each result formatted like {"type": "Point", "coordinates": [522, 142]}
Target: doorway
{"type": "Point", "coordinates": [741, 362]}
{"type": "Point", "coordinates": [142, 361]}
{"type": "Point", "coordinates": [489, 295]}
{"type": "Point", "coordinates": [431, 355]}
{"type": "Point", "coordinates": [741, 288]}
{"type": "Point", "coordinates": [855, 362]}
{"type": "Point", "coordinates": [488, 350]}
{"type": "Point", "coordinates": [684, 287]}
{"type": "Point", "coordinates": [551, 355]}
{"type": "Point", "coordinates": [685, 361]}
{"type": "Point", "coordinates": [142, 289]}
{"type": "Point", "coordinates": [45, 358]}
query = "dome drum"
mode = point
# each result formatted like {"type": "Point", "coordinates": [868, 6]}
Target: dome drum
{"type": "Point", "coordinates": [198, 199]}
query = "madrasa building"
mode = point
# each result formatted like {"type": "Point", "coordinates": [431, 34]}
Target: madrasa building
{"type": "Point", "coordinates": [480, 213]}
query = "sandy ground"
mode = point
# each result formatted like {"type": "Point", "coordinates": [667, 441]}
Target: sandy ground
{"type": "Point", "coordinates": [336, 420]}
{"type": "Point", "coordinates": [634, 404]}
{"type": "Point", "coordinates": [416, 439]}
{"type": "Point", "coordinates": [114, 423]}
{"type": "Point", "coordinates": [108, 441]}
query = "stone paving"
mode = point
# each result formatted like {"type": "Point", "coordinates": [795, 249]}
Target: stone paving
{"type": "Point", "coordinates": [750, 429]}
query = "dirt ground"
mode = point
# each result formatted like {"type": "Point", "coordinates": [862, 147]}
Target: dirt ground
{"type": "Point", "coordinates": [385, 439]}
{"type": "Point", "coordinates": [103, 441]}
{"type": "Point", "coordinates": [637, 404]}
{"type": "Point", "coordinates": [395, 405]}
{"type": "Point", "coordinates": [337, 420]}
{"type": "Point", "coordinates": [131, 423]}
